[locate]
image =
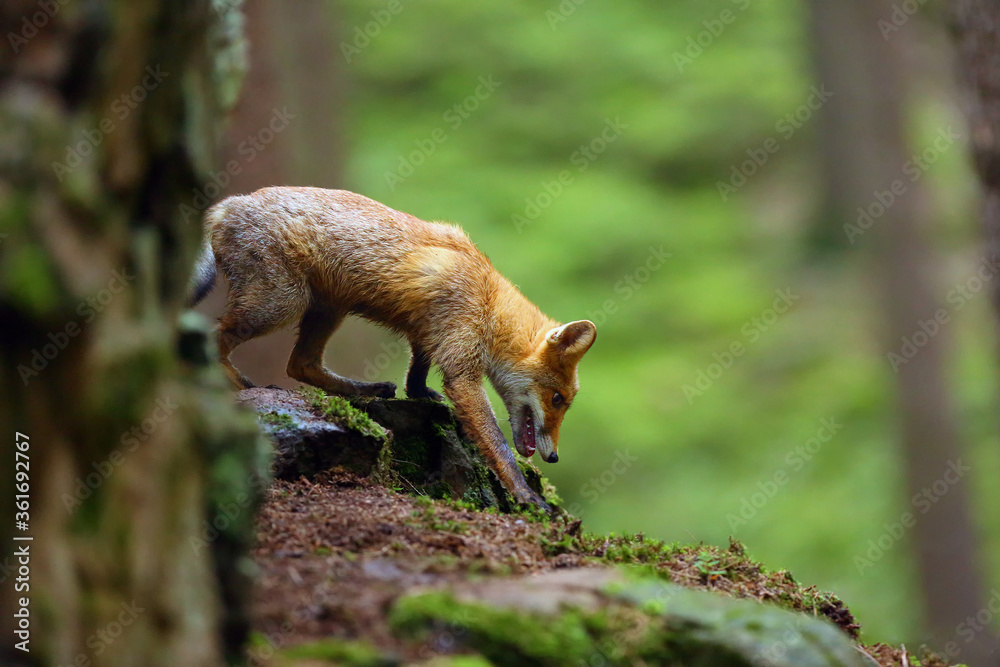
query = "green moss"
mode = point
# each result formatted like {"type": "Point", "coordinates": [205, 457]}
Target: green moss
{"type": "Point", "coordinates": [465, 504]}
{"type": "Point", "coordinates": [338, 409]}
{"type": "Point", "coordinates": [408, 457]}
{"type": "Point", "coordinates": [559, 545]}
{"type": "Point", "coordinates": [503, 636]}
{"type": "Point", "coordinates": [431, 520]}
{"type": "Point", "coordinates": [335, 651]}
{"type": "Point", "coordinates": [277, 419]}
{"type": "Point", "coordinates": [536, 480]}
{"type": "Point", "coordinates": [612, 634]}
{"type": "Point", "coordinates": [27, 274]}
{"type": "Point", "coordinates": [460, 661]}
{"type": "Point", "coordinates": [710, 566]}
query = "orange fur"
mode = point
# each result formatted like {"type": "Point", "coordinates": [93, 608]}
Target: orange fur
{"type": "Point", "coordinates": [314, 256]}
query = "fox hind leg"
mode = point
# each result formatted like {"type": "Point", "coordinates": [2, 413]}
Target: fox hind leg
{"type": "Point", "coordinates": [416, 377]}
{"type": "Point", "coordinates": [236, 327]}
{"type": "Point", "coordinates": [253, 312]}
{"type": "Point", "coordinates": [306, 361]}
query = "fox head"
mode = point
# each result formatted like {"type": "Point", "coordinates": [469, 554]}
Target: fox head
{"type": "Point", "coordinates": [537, 390]}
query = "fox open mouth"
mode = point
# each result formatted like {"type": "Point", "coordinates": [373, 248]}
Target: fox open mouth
{"type": "Point", "coordinates": [526, 443]}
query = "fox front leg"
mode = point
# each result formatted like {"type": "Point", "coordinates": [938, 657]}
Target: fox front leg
{"type": "Point", "coordinates": [416, 377]}
{"type": "Point", "coordinates": [477, 418]}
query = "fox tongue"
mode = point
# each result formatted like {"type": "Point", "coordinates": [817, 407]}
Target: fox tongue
{"type": "Point", "coordinates": [529, 433]}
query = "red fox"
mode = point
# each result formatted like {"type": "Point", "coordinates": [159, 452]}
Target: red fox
{"type": "Point", "coordinates": [314, 256]}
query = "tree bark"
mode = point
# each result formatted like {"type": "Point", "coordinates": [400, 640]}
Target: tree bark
{"type": "Point", "coordinates": [143, 476]}
{"type": "Point", "coordinates": [865, 154]}
{"type": "Point", "coordinates": [976, 32]}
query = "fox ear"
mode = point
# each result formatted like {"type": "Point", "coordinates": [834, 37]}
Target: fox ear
{"type": "Point", "coordinates": [573, 339]}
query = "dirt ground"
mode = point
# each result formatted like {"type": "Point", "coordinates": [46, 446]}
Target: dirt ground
{"type": "Point", "coordinates": [335, 553]}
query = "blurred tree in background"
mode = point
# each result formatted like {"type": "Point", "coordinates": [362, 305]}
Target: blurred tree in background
{"type": "Point", "coordinates": [864, 143]}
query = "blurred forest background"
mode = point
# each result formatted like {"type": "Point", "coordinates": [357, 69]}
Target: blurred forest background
{"type": "Point", "coordinates": [712, 183]}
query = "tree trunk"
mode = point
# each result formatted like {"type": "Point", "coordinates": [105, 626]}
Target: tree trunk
{"type": "Point", "coordinates": [974, 26]}
{"type": "Point", "coordinates": [864, 157]}
{"type": "Point", "coordinates": [143, 477]}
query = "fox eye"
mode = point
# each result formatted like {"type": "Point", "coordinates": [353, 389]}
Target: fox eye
{"type": "Point", "coordinates": [557, 399]}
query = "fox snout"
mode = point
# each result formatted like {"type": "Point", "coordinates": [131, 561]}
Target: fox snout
{"type": "Point", "coordinates": [534, 430]}
{"type": "Point", "coordinates": [538, 390]}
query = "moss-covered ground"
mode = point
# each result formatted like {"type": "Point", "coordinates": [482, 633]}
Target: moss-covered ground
{"type": "Point", "coordinates": [343, 562]}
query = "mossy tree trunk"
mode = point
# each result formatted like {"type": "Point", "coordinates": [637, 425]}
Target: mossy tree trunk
{"type": "Point", "coordinates": [109, 114]}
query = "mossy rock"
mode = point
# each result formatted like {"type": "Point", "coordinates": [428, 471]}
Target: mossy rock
{"type": "Point", "coordinates": [313, 433]}
{"type": "Point", "coordinates": [411, 445]}
{"type": "Point", "coordinates": [428, 455]}
{"type": "Point", "coordinates": [603, 616]}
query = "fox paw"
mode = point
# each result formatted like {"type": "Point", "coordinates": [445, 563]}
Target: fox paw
{"type": "Point", "coordinates": [425, 392]}
{"type": "Point", "coordinates": [526, 496]}
{"type": "Point", "coordinates": [378, 389]}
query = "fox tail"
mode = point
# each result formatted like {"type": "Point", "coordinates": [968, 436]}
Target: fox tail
{"type": "Point", "coordinates": [203, 278]}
